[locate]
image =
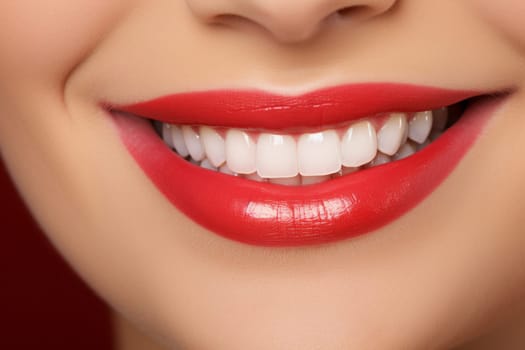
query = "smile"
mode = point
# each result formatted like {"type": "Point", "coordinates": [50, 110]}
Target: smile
{"type": "Point", "coordinates": [238, 162]}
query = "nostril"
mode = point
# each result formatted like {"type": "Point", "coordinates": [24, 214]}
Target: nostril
{"type": "Point", "coordinates": [228, 20]}
{"type": "Point", "coordinates": [287, 21]}
{"type": "Point", "coordinates": [352, 11]}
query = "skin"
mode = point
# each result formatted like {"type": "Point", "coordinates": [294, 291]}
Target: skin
{"type": "Point", "coordinates": [450, 273]}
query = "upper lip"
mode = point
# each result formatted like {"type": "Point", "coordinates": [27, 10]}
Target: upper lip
{"type": "Point", "coordinates": [263, 110]}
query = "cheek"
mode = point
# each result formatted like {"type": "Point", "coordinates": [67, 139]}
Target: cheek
{"type": "Point", "coordinates": [46, 39]}
{"type": "Point", "coordinates": [506, 15]}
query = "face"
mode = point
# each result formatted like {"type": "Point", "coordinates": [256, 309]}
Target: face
{"type": "Point", "coordinates": [433, 257]}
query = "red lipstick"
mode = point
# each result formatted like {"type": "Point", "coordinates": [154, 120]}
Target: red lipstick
{"type": "Point", "coordinates": [271, 215]}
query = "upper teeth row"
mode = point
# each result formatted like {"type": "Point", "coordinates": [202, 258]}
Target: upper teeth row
{"type": "Point", "coordinates": [271, 155]}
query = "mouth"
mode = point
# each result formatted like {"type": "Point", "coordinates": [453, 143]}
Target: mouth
{"type": "Point", "coordinates": [273, 170]}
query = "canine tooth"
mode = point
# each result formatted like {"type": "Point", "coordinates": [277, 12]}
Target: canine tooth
{"type": "Point", "coordinates": [240, 152]}
{"type": "Point", "coordinates": [419, 126]}
{"type": "Point", "coordinates": [406, 150]}
{"type": "Point", "coordinates": [319, 153]}
{"type": "Point", "coordinates": [213, 145]}
{"type": "Point", "coordinates": [392, 134]}
{"type": "Point", "coordinates": [178, 141]}
{"type": "Point", "coordinates": [286, 181]}
{"type": "Point", "coordinates": [440, 119]}
{"type": "Point", "coordinates": [206, 164]}
{"type": "Point", "coordinates": [193, 143]}
{"type": "Point", "coordinates": [359, 144]}
{"type": "Point", "coordinates": [276, 156]}
{"type": "Point", "coordinates": [311, 180]}
{"type": "Point", "coordinates": [166, 134]}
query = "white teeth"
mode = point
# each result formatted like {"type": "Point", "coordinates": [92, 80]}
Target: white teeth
{"type": "Point", "coordinates": [319, 153]}
{"type": "Point", "coordinates": [307, 158]}
{"type": "Point", "coordinates": [405, 151]}
{"type": "Point", "coordinates": [240, 152]}
{"type": "Point", "coordinates": [440, 119]}
{"type": "Point", "coordinates": [213, 145]}
{"type": "Point", "coordinates": [166, 134]}
{"type": "Point", "coordinates": [276, 156]}
{"type": "Point", "coordinates": [359, 145]}
{"type": "Point", "coordinates": [419, 126]}
{"type": "Point", "coordinates": [178, 141]}
{"type": "Point", "coordinates": [193, 143]}
{"type": "Point", "coordinates": [392, 134]}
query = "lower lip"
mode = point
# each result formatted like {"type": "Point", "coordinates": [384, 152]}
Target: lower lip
{"type": "Point", "coordinates": [265, 214]}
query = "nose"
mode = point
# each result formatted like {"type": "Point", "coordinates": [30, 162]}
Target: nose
{"type": "Point", "coordinates": [288, 21]}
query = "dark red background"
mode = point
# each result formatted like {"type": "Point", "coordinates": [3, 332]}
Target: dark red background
{"type": "Point", "coordinates": [43, 304]}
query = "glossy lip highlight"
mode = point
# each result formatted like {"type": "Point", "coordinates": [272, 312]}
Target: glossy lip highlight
{"type": "Point", "coordinates": [271, 215]}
